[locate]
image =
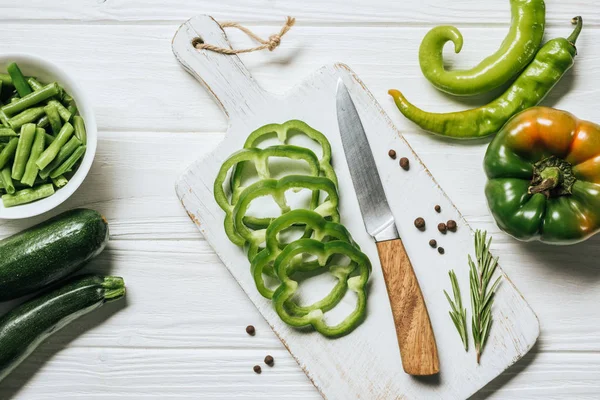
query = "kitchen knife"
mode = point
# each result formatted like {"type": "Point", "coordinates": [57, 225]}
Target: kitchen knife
{"type": "Point", "coordinates": [413, 327]}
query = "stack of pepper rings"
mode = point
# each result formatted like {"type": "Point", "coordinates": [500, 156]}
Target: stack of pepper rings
{"type": "Point", "coordinates": [323, 239]}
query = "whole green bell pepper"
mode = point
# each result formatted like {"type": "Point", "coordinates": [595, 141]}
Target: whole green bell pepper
{"type": "Point", "coordinates": [544, 177]}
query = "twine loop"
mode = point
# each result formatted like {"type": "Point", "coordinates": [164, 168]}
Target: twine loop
{"type": "Point", "coordinates": [270, 44]}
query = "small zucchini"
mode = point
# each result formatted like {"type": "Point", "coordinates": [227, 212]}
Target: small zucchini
{"type": "Point", "coordinates": [50, 251]}
{"type": "Point", "coordinates": [23, 329]}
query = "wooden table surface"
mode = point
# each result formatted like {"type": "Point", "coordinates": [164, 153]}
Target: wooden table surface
{"type": "Point", "coordinates": [181, 332]}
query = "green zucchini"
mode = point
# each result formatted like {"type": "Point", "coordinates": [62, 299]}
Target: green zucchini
{"type": "Point", "coordinates": [50, 251]}
{"type": "Point", "coordinates": [23, 329]}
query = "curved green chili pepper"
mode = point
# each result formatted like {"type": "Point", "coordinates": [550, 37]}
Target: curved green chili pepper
{"type": "Point", "coordinates": [283, 132]}
{"type": "Point", "coordinates": [323, 252]}
{"type": "Point", "coordinates": [515, 52]}
{"type": "Point", "coordinates": [321, 229]}
{"type": "Point", "coordinates": [241, 234]}
{"type": "Point", "coordinates": [549, 65]}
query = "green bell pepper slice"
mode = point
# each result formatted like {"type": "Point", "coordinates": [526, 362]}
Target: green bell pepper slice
{"type": "Point", "coordinates": [283, 133]}
{"type": "Point", "coordinates": [240, 234]}
{"type": "Point", "coordinates": [284, 266]}
{"type": "Point", "coordinates": [321, 230]}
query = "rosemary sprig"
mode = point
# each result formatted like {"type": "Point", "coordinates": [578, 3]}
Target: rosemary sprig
{"type": "Point", "coordinates": [458, 313]}
{"type": "Point", "coordinates": [482, 297]}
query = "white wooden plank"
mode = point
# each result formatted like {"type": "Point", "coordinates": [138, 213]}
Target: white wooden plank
{"type": "Point", "coordinates": [307, 11]}
{"type": "Point", "coordinates": [135, 83]}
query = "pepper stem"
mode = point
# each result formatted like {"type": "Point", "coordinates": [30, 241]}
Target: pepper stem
{"type": "Point", "coordinates": [579, 22]}
{"type": "Point", "coordinates": [551, 178]}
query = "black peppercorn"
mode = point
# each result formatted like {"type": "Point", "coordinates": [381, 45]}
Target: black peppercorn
{"type": "Point", "coordinates": [250, 330]}
{"type": "Point", "coordinates": [420, 223]}
{"type": "Point", "coordinates": [433, 243]}
{"type": "Point", "coordinates": [404, 163]}
{"type": "Point", "coordinates": [451, 224]}
{"type": "Point", "coordinates": [442, 227]}
{"type": "Point", "coordinates": [257, 369]}
{"type": "Point", "coordinates": [392, 154]}
{"type": "Point", "coordinates": [269, 360]}
{"type": "Point", "coordinates": [441, 250]}
{"type": "Point", "coordinates": [437, 208]}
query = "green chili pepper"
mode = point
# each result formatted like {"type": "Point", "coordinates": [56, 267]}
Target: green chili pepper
{"type": "Point", "coordinates": [323, 251]}
{"type": "Point", "coordinates": [240, 234]}
{"type": "Point", "coordinates": [515, 52]}
{"type": "Point", "coordinates": [284, 132]}
{"type": "Point", "coordinates": [549, 65]}
{"type": "Point", "coordinates": [263, 261]}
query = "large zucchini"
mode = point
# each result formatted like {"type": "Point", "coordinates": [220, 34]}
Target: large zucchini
{"type": "Point", "coordinates": [25, 327]}
{"type": "Point", "coordinates": [50, 251]}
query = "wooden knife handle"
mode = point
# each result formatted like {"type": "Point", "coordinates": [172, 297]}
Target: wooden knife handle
{"type": "Point", "coordinates": [413, 327]}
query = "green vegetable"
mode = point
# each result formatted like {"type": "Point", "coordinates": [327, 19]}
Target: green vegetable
{"type": "Point", "coordinates": [34, 84]}
{"type": "Point", "coordinates": [7, 133]}
{"type": "Point", "coordinates": [240, 234]}
{"type": "Point", "coordinates": [48, 139]}
{"type": "Point", "coordinates": [23, 329]}
{"type": "Point", "coordinates": [50, 251]}
{"type": "Point", "coordinates": [323, 251]}
{"type": "Point", "coordinates": [18, 80]}
{"type": "Point", "coordinates": [262, 260]}
{"type": "Point", "coordinates": [26, 117]}
{"type": "Point", "coordinates": [458, 314]}
{"type": "Point", "coordinates": [60, 181]}
{"type": "Point", "coordinates": [28, 133]}
{"type": "Point", "coordinates": [80, 131]}
{"type": "Point", "coordinates": [27, 195]}
{"type": "Point", "coordinates": [62, 110]}
{"type": "Point", "coordinates": [31, 170]}
{"type": "Point", "coordinates": [516, 51]}
{"type": "Point", "coordinates": [52, 151]}
{"type": "Point", "coordinates": [63, 154]}
{"type": "Point", "coordinates": [6, 80]}
{"type": "Point", "coordinates": [544, 177]}
{"type": "Point", "coordinates": [53, 118]}
{"type": "Point", "coordinates": [482, 295]}
{"type": "Point", "coordinates": [8, 152]}
{"type": "Point", "coordinates": [31, 99]}
{"type": "Point", "coordinates": [549, 65]}
{"type": "Point", "coordinates": [69, 163]}
{"type": "Point", "coordinates": [4, 119]}
{"type": "Point", "coordinates": [7, 180]}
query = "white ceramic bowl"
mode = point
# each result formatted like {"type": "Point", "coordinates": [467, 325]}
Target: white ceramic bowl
{"type": "Point", "coordinates": [48, 72]}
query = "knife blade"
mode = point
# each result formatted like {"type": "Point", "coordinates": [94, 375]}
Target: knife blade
{"type": "Point", "coordinates": [418, 349]}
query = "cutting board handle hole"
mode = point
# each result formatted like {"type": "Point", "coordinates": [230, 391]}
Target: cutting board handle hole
{"type": "Point", "coordinates": [196, 41]}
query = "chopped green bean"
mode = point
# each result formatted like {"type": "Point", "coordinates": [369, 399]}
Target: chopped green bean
{"type": "Point", "coordinates": [63, 154]}
{"type": "Point", "coordinates": [48, 139]}
{"type": "Point", "coordinates": [52, 151]}
{"type": "Point", "coordinates": [62, 110]}
{"type": "Point", "coordinates": [6, 80]}
{"type": "Point", "coordinates": [18, 80]}
{"type": "Point", "coordinates": [60, 181]}
{"type": "Point", "coordinates": [80, 132]}
{"type": "Point", "coordinates": [4, 119]}
{"type": "Point", "coordinates": [8, 152]}
{"type": "Point", "coordinates": [28, 195]}
{"type": "Point", "coordinates": [7, 180]}
{"type": "Point", "coordinates": [69, 163]}
{"type": "Point", "coordinates": [13, 100]}
{"type": "Point", "coordinates": [34, 83]}
{"type": "Point", "coordinates": [7, 133]}
{"type": "Point", "coordinates": [25, 117]}
{"type": "Point", "coordinates": [66, 97]}
{"type": "Point", "coordinates": [72, 109]}
{"type": "Point", "coordinates": [31, 169]}
{"type": "Point", "coordinates": [31, 99]}
{"type": "Point", "coordinates": [28, 133]}
{"type": "Point", "coordinates": [53, 117]}
{"type": "Point", "coordinates": [43, 122]}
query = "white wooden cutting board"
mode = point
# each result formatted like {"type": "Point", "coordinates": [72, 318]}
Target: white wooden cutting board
{"type": "Point", "coordinates": [365, 364]}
